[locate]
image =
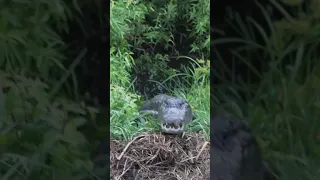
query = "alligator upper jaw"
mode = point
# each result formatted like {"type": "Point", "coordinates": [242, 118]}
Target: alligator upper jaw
{"type": "Point", "coordinates": [172, 128]}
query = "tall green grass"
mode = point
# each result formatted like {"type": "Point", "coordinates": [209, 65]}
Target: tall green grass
{"type": "Point", "coordinates": [123, 108]}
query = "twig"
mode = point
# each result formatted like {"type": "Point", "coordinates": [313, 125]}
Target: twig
{"type": "Point", "coordinates": [203, 146]}
{"type": "Point", "coordinates": [124, 170]}
{"type": "Point", "coordinates": [127, 146]}
{"type": "Point", "coordinates": [154, 156]}
{"type": "Point", "coordinates": [191, 159]}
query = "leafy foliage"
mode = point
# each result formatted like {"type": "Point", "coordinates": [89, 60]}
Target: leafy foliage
{"type": "Point", "coordinates": [27, 40]}
{"type": "Point", "coordinates": [41, 129]}
{"type": "Point", "coordinates": [169, 29]}
{"type": "Point", "coordinates": [143, 37]}
{"type": "Point", "coordinates": [39, 136]}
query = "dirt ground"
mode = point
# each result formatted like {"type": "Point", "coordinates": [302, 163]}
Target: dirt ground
{"type": "Point", "coordinates": [160, 157]}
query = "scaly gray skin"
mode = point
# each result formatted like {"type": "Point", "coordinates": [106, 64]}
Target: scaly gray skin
{"type": "Point", "coordinates": [235, 154]}
{"type": "Point", "coordinates": [174, 113]}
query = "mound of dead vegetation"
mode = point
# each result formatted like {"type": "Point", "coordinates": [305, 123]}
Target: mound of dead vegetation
{"type": "Point", "coordinates": [160, 157]}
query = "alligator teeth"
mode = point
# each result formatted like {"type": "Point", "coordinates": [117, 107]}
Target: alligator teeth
{"type": "Point", "coordinates": [173, 126]}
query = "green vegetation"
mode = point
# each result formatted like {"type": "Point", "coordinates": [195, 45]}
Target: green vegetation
{"type": "Point", "coordinates": [42, 124]}
{"type": "Point", "coordinates": [283, 109]}
{"type": "Point", "coordinates": [143, 36]}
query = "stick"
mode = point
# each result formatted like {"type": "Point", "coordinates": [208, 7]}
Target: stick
{"type": "Point", "coordinates": [127, 146]}
{"type": "Point", "coordinates": [204, 145]}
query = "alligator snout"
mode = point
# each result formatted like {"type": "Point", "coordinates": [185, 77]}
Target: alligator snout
{"type": "Point", "coordinates": [172, 120]}
{"type": "Point", "coordinates": [172, 124]}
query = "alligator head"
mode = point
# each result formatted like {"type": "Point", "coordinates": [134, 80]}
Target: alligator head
{"type": "Point", "coordinates": [174, 113]}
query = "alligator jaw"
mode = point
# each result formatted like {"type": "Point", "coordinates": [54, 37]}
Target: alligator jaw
{"type": "Point", "coordinates": [172, 128]}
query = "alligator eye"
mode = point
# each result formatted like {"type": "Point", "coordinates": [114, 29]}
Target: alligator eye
{"type": "Point", "coordinates": [182, 104]}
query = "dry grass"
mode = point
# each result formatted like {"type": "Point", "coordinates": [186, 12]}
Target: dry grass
{"type": "Point", "coordinates": [158, 156]}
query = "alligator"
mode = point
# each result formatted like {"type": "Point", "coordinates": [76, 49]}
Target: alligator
{"type": "Point", "coordinates": [174, 113]}
{"type": "Point", "coordinates": [235, 154]}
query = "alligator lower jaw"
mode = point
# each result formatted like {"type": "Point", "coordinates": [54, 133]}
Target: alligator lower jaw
{"type": "Point", "coordinates": [172, 129]}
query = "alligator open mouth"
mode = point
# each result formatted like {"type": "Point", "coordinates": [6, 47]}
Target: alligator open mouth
{"type": "Point", "coordinates": [172, 128]}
